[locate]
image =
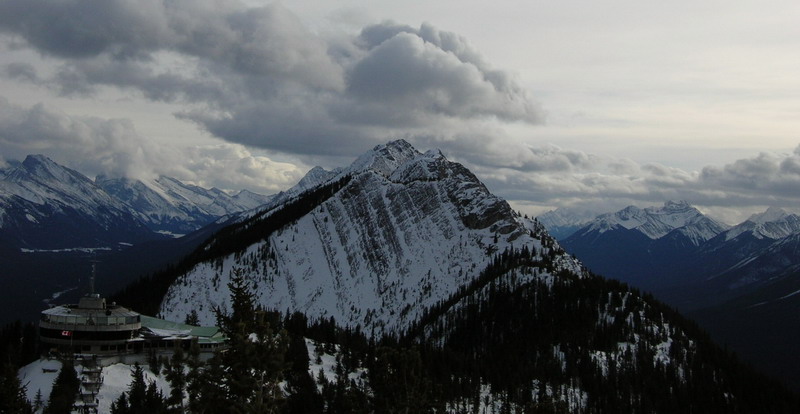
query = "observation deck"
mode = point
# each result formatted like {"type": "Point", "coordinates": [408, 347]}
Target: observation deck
{"type": "Point", "coordinates": [91, 326]}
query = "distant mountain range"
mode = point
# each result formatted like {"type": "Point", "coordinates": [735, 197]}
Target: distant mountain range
{"type": "Point", "coordinates": [742, 282]}
{"type": "Point", "coordinates": [562, 222]}
{"type": "Point", "coordinates": [46, 206]}
{"type": "Point", "coordinates": [664, 249]}
{"type": "Point", "coordinates": [54, 222]}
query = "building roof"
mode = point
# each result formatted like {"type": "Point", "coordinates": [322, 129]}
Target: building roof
{"type": "Point", "coordinates": [69, 310]}
{"type": "Point", "coordinates": [164, 328]}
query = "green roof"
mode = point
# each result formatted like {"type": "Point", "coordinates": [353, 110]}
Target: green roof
{"type": "Point", "coordinates": [207, 333]}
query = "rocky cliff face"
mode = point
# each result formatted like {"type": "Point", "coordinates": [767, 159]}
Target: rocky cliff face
{"type": "Point", "coordinates": [405, 232]}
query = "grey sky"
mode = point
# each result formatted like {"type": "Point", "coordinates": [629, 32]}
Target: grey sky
{"type": "Point", "coordinates": [551, 103]}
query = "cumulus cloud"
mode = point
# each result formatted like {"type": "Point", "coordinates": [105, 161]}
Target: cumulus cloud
{"type": "Point", "coordinates": [114, 148]}
{"type": "Point", "coordinates": [258, 76]}
{"type": "Point", "coordinates": [775, 176]}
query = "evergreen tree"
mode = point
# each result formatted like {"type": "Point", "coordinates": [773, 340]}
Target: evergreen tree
{"type": "Point", "coordinates": [254, 356]}
{"type": "Point", "coordinates": [192, 318]}
{"type": "Point", "coordinates": [177, 379]}
{"type": "Point", "coordinates": [38, 401]}
{"type": "Point", "coordinates": [65, 389]}
{"type": "Point", "coordinates": [120, 405]}
{"type": "Point", "coordinates": [154, 402]}
{"type": "Point", "coordinates": [154, 361]}
{"type": "Point", "coordinates": [137, 390]}
{"type": "Point", "coordinates": [12, 392]}
{"type": "Point", "coordinates": [207, 390]}
{"type": "Point", "coordinates": [399, 382]}
{"type": "Point", "coordinates": [303, 397]}
{"type": "Point", "coordinates": [141, 398]}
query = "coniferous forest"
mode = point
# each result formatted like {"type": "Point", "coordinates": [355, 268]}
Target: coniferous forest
{"type": "Point", "coordinates": [511, 341]}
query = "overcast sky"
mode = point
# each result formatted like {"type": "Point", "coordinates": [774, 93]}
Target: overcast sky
{"type": "Point", "coordinates": [571, 103]}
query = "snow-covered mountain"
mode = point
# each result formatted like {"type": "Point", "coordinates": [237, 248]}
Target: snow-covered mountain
{"type": "Point", "coordinates": [676, 245]}
{"type": "Point", "coordinates": [563, 222]}
{"type": "Point", "coordinates": [44, 205]}
{"type": "Point", "coordinates": [774, 223]}
{"type": "Point", "coordinates": [647, 247]}
{"type": "Point", "coordinates": [392, 234]}
{"type": "Point", "coordinates": [739, 254]}
{"type": "Point", "coordinates": [168, 205]}
{"type": "Point", "coordinates": [413, 245]}
{"type": "Point", "coordinates": [657, 222]}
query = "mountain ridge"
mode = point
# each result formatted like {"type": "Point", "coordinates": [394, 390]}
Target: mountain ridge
{"type": "Point", "coordinates": [397, 203]}
{"type": "Point", "coordinates": [44, 205]}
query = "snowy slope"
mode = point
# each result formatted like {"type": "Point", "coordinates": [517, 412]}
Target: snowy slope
{"type": "Point", "coordinates": [40, 375]}
{"type": "Point", "coordinates": [405, 232]}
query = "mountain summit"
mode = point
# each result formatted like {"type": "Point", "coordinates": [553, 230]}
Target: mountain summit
{"type": "Point", "coordinates": [397, 231]}
{"type": "Point", "coordinates": [646, 247]}
{"type": "Point", "coordinates": [657, 222]}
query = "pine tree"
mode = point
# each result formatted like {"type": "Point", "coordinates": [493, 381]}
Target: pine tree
{"type": "Point", "coordinates": [177, 380]}
{"type": "Point", "coordinates": [141, 398]}
{"type": "Point", "coordinates": [194, 375]}
{"type": "Point", "coordinates": [38, 401]}
{"type": "Point", "coordinates": [254, 355]}
{"type": "Point", "coordinates": [207, 390]}
{"type": "Point", "coordinates": [65, 389]}
{"type": "Point", "coordinates": [399, 383]}
{"type": "Point", "coordinates": [120, 405]}
{"type": "Point", "coordinates": [154, 402]}
{"type": "Point", "coordinates": [192, 318]}
{"type": "Point", "coordinates": [137, 390]}
{"type": "Point", "coordinates": [302, 391]}
{"type": "Point", "coordinates": [154, 360]}
{"type": "Point", "coordinates": [12, 393]}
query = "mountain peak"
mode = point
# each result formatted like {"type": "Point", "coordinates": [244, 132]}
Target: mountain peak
{"type": "Point", "coordinates": [385, 158]}
{"type": "Point", "coordinates": [771, 214]}
{"type": "Point", "coordinates": [656, 222]}
{"type": "Point", "coordinates": [680, 205]}
{"type": "Point", "coordinates": [40, 165]}
{"type": "Point", "coordinates": [400, 231]}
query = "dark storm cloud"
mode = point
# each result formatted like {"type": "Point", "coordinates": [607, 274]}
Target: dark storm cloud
{"type": "Point", "coordinates": [83, 28]}
{"type": "Point", "coordinates": [21, 71]}
{"type": "Point", "coordinates": [257, 75]}
{"type": "Point", "coordinates": [110, 146]}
